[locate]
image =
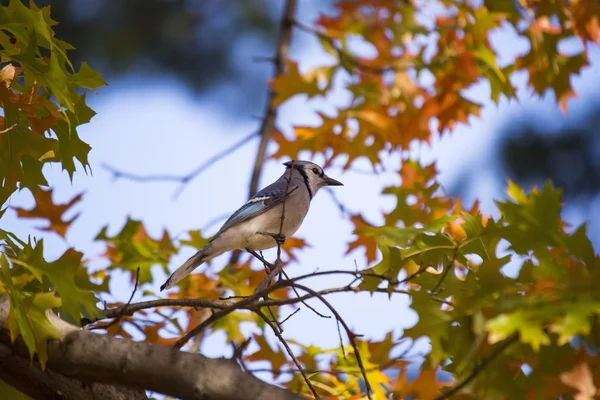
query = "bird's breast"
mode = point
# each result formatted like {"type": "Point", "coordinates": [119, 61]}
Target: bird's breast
{"type": "Point", "coordinates": [270, 221]}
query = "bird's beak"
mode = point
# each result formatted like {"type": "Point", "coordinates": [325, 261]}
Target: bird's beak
{"type": "Point", "coordinates": [331, 182]}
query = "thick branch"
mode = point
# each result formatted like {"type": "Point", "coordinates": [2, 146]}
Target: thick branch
{"type": "Point", "coordinates": [20, 373]}
{"type": "Point", "coordinates": [90, 357]}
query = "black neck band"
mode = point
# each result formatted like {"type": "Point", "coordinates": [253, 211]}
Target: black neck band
{"type": "Point", "coordinates": [305, 177]}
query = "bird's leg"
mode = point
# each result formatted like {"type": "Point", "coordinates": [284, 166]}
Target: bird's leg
{"type": "Point", "coordinates": [279, 237]}
{"type": "Point", "coordinates": [267, 264]}
{"type": "Point", "coordinates": [269, 267]}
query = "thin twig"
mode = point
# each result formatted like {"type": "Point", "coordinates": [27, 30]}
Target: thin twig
{"type": "Point", "coordinates": [410, 277]}
{"type": "Point", "coordinates": [183, 179]}
{"type": "Point", "coordinates": [278, 263]}
{"type": "Point", "coordinates": [477, 370]}
{"type": "Point", "coordinates": [238, 352]}
{"type": "Point", "coordinates": [343, 209]}
{"type": "Point", "coordinates": [289, 351]}
{"type": "Point", "coordinates": [200, 328]}
{"type": "Point", "coordinates": [287, 189]}
{"type": "Point", "coordinates": [351, 335]}
{"type": "Point", "coordinates": [289, 316]}
{"type": "Point", "coordinates": [304, 302]}
{"type": "Point", "coordinates": [248, 304]}
{"type": "Point", "coordinates": [220, 314]}
{"type": "Point", "coordinates": [335, 372]}
{"type": "Point", "coordinates": [120, 315]}
{"type": "Point", "coordinates": [339, 331]}
{"type": "Point", "coordinates": [344, 56]}
{"type": "Point", "coordinates": [268, 122]}
{"type": "Point", "coordinates": [260, 258]}
{"type": "Point", "coordinates": [445, 273]}
{"type": "Point", "coordinates": [10, 128]}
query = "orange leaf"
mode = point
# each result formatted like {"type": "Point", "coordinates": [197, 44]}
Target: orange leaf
{"type": "Point", "coordinates": [585, 16]}
{"type": "Point", "coordinates": [198, 286]}
{"type": "Point", "coordinates": [580, 378]}
{"type": "Point", "coordinates": [292, 83]}
{"type": "Point", "coordinates": [151, 332]}
{"type": "Point", "coordinates": [291, 244]}
{"type": "Point", "coordinates": [46, 209]}
{"type": "Point", "coordinates": [368, 242]}
{"type": "Point", "coordinates": [426, 386]}
{"type": "Point", "coordinates": [266, 353]}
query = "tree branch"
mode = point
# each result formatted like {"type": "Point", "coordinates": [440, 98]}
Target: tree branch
{"type": "Point", "coordinates": [285, 344]}
{"type": "Point", "coordinates": [351, 335]}
{"type": "Point", "coordinates": [17, 370]}
{"type": "Point", "coordinates": [93, 358]}
{"type": "Point", "coordinates": [251, 302]}
{"type": "Point", "coordinates": [268, 123]}
{"type": "Point", "coordinates": [182, 179]}
{"type": "Point", "coordinates": [477, 370]}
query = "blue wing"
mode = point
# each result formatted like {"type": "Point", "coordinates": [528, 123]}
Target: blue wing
{"type": "Point", "coordinates": [262, 201]}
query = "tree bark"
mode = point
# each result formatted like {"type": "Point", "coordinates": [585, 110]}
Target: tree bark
{"type": "Point", "coordinates": [82, 360]}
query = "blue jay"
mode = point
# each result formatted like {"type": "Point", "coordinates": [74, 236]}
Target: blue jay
{"type": "Point", "coordinates": [255, 225]}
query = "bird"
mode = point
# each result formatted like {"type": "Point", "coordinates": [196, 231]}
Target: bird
{"type": "Point", "coordinates": [256, 225]}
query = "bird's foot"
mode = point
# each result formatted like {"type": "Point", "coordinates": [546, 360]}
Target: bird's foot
{"type": "Point", "coordinates": [279, 238]}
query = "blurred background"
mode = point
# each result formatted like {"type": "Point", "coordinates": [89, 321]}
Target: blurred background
{"type": "Point", "coordinates": [188, 78]}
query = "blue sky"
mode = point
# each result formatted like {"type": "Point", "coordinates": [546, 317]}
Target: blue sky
{"type": "Point", "coordinates": [158, 126]}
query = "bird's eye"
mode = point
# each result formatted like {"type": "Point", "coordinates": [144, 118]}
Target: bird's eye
{"type": "Point", "coordinates": [316, 171]}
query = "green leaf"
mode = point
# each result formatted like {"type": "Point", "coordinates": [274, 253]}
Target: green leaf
{"type": "Point", "coordinates": [32, 173]}
{"type": "Point", "coordinates": [11, 393]}
{"type": "Point", "coordinates": [15, 145]}
{"type": "Point", "coordinates": [87, 78]}
{"type": "Point", "coordinates": [433, 322]}
{"type": "Point", "coordinates": [581, 247]}
{"type": "Point", "coordinates": [27, 315]}
{"type": "Point", "coordinates": [575, 322]}
{"type": "Point", "coordinates": [66, 276]}
{"type": "Point", "coordinates": [480, 240]}
{"type": "Point", "coordinates": [132, 248]}
{"type": "Point", "coordinates": [530, 330]}
{"type": "Point", "coordinates": [533, 220]}
{"type": "Point", "coordinates": [196, 240]}
{"type": "Point", "coordinates": [293, 82]}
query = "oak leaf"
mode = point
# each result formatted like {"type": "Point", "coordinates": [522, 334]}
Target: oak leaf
{"type": "Point", "coordinates": [53, 213]}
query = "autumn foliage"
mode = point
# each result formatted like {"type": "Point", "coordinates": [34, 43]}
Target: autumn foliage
{"type": "Point", "coordinates": [527, 334]}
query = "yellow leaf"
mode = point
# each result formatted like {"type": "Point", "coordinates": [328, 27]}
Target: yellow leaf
{"type": "Point", "coordinates": [292, 83]}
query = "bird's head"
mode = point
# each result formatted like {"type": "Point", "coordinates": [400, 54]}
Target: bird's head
{"type": "Point", "coordinates": [313, 175]}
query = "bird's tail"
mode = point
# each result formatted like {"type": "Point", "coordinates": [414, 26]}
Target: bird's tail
{"type": "Point", "coordinates": [191, 264]}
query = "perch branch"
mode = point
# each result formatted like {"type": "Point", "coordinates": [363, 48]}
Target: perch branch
{"type": "Point", "coordinates": [268, 122]}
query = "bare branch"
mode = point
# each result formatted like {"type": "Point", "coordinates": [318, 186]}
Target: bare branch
{"type": "Point", "coordinates": [19, 372]}
{"type": "Point", "coordinates": [351, 335]}
{"type": "Point", "coordinates": [285, 344]}
{"type": "Point", "coordinates": [252, 302]}
{"type": "Point", "coordinates": [268, 122]}
{"type": "Point", "coordinates": [182, 179]}
{"type": "Point", "coordinates": [302, 301]}
{"type": "Point", "coordinates": [92, 358]}
{"type": "Point", "coordinates": [120, 316]}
